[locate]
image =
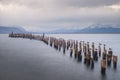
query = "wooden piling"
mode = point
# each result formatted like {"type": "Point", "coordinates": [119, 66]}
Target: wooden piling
{"type": "Point", "coordinates": [95, 55]}
{"type": "Point", "coordinates": [75, 52]}
{"type": "Point", "coordinates": [104, 54]}
{"type": "Point", "coordinates": [109, 59]}
{"type": "Point", "coordinates": [79, 56]}
{"type": "Point", "coordinates": [73, 46]}
{"type": "Point", "coordinates": [93, 47]}
{"type": "Point", "coordinates": [115, 59]}
{"type": "Point", "coordinates": [103, 67]}
{"type": "Point", "coordinates": [99, 50]}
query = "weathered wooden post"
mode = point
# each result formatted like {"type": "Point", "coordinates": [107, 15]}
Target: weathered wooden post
{"type": "Point", "coordinates": [99, 50]}
{"type": "Point", "coordinates": [85, 49]}
{"type": "Point", "coordinates": [110, 52]}
{"type": "Point", "coordinates": [79, 55]}
{"type": "Point", "coordinates": [109, 57]}
{"type": "Point", "coordinates": [64, 46]}
{"type": "Point", "coordinates": [60, 45]}
{"type": "Point", "coordinates": [95, 55]}
{"type": "Point", "coordinates": [88, 48]}
{"type": "Point", "coordinates": [80, 46]}
{"type": "Point", "coordinates": [83, 43]}
{"type": "Point", "coordinates": [115, 59]}
{"type": "Point", "coordinates": [71, 52]}
{"type": "Point", "coordinates": [75, 52]}
{"type": "Point", "coordinates": [103, 66]}
{"type": "Point", "coordinates": [93, 48]}
{"type": "Point", "coordinates": [104, 53]}
{"type": "Point", "coordinates": [68, 44]}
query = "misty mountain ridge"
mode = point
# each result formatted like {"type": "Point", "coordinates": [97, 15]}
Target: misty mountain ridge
{"type": "Point", "coordinates": [92, 29]}
{"type": "Point", "coordinates": [103, 26]}
{"type": "Point", "coordinates": [95, 29]}
{"type": "Point", "coordinates": [10, 29]}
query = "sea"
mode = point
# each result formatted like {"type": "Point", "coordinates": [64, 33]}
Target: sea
{"type": "Point", "coordinates": [25, 59]}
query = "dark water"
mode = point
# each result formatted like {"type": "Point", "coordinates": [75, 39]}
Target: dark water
{"type": "Point", "coordinates": [24, 59]}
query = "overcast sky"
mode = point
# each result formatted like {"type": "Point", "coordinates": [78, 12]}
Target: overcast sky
{"type": "Point", "coordinates": [55, 14]}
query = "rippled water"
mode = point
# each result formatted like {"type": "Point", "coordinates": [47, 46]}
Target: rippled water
{"type": "Point", "coordinates": [24, 59]}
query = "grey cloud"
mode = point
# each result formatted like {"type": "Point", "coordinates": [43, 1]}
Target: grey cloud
{"type": "Point", "coordinates": [58, 13]}
{"type": "Point", "coordinates": [61, 3]}
{"type": "Point", "coordinates": [27, 3]}
{"type": "Point", "coordinates": [88, 3]}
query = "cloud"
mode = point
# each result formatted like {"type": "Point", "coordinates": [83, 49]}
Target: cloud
{"type": "Point", "coordinates": [58, 13]}
{"type": "Point", "coordinates": [78, 3]}
{"type": "Point", "coordinates": [89, 3]}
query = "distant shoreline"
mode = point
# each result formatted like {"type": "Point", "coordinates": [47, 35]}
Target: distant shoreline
{"type": "Point", "coordinates": [65, 33]}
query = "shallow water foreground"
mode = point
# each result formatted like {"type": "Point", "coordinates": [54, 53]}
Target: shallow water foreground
{"type": "Point", "coordinates": [24, 59]}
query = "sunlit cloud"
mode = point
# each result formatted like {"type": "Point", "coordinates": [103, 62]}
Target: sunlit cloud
{"type": "Point", "coordinates": [115, 7]}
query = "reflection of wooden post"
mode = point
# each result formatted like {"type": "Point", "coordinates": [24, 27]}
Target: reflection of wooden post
{"type": "Point", "coordinates": [103, 66]}
{"type": "Point", "coordinates": [71, 52]}
{"type": "Point", "coordinates": [92, 63]}
{"type": "Point", "coordinates": [85, 60]}
{"type": "Point", "coordinates": [88, 59]}
{"type": "Point", "coordinates": [115, 61]}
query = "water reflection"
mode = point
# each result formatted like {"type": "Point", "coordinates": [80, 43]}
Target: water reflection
{"type": "Point", "coordinates": [103, 76]}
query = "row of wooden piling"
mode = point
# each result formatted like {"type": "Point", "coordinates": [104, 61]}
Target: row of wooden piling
{"type": "Point", "coordinates": [77, 49]}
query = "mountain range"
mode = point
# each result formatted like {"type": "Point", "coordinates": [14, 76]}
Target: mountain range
{"type": "Point", "coordinates": [10, 29]}
{"type": "Point", "coordinates": [87, 31]}
{"type": "Point", "coordinates": [93, 29]}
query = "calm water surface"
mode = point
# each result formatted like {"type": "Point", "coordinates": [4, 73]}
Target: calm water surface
{"type": "Point", "coordinates": [24, 59]}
